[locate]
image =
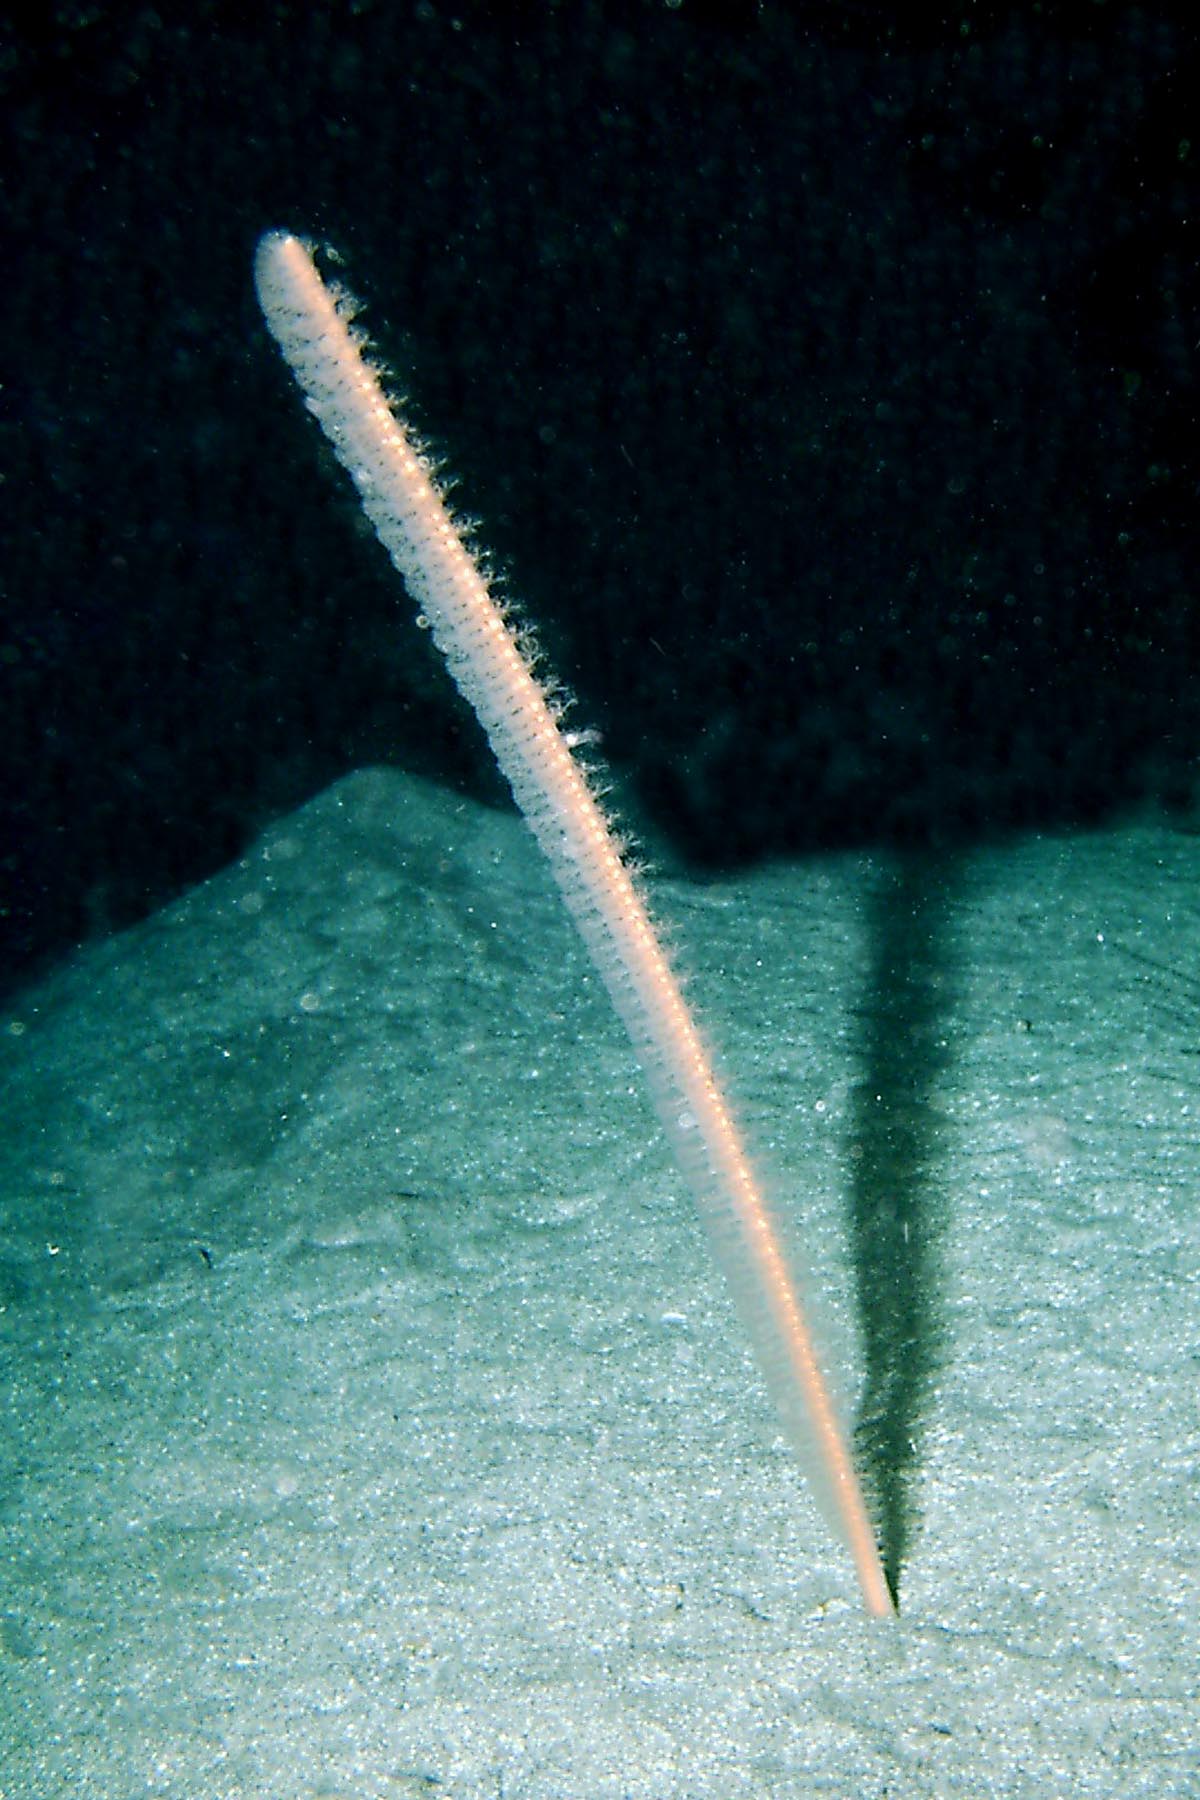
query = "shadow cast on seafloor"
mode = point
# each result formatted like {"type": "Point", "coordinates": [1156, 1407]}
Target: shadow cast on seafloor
{"type": "Point", "coordinates": [892, 1147]}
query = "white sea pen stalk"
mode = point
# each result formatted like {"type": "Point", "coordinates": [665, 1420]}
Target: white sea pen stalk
{"type": "Point", "coordinates": [311, 327]}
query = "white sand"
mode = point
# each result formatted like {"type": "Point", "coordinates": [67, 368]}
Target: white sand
{"type": "Point", "coordinates": [376, 1424]}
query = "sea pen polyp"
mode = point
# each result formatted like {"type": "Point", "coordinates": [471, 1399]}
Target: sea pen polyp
{"type": "Point", "coordinates": [312, 329]}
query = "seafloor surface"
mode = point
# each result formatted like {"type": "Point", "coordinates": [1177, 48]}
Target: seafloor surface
{"type": "Point", "coordinates": [376, 1423]}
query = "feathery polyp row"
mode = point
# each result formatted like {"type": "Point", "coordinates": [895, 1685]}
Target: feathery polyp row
{"type": "Point", "coordinates": [312, 327]}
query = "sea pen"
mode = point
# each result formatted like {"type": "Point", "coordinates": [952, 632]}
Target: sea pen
{"type": "Point", "coordinates": [312, 328]}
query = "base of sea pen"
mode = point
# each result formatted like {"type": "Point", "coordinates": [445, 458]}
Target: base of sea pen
{"type": "Point", "coordinates": [379, 1422]}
